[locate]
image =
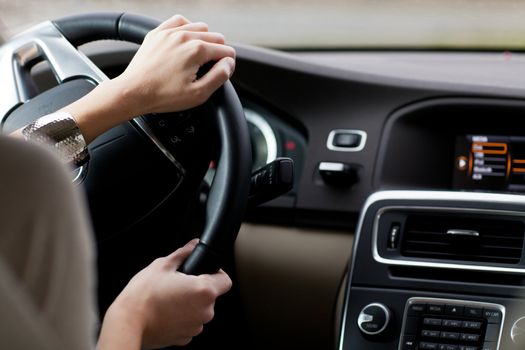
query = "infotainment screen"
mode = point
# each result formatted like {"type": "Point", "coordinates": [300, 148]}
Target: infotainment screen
{"type": "Point", "coordinates": [494, 163]}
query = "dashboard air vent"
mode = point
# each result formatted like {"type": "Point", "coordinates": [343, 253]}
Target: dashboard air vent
{"type": "Point", "coordinates": [451, 237]}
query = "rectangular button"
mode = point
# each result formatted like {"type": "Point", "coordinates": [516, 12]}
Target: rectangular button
{"type": "Point", "coordinates": [473, 311]}
{"type": "Point", "coordinates": [431, 346]}
{"type": "Point", "coordinates": [449, 335]}
{"type": "Point", "coordinates": [409, 342]}
{"type": "Point", "coordinates": [432, 322]}
{"type": "Point", "coordinates": [448, 347]}
{"type": "Point", "coordinates": [452, 323]}
{"type": "Point", "coordinates": [472, 324]}
{"type": "Point", "coordinates": [346, 139]}
{"type": "Point", "coordinates": [416, 309]}
{"type": "Point", "coordinates": [469, 337]}
{"type": "Point", "coordinates": [492, 315]}
{"type": "Point", "coordinates": [435, 308]}
{"type": "Point", "coordinates": [429, 333]}
{"type": "Point", "coordinates": [454, 310]}
{"type": "Point", "coordinates": [492, 333]}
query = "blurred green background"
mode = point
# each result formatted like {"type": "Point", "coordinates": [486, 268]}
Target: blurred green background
{"type": "Point", "coordinates": [473, 24]}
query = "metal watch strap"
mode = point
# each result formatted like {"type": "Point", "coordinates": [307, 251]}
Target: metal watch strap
{"type": "Point", "coordinates": [60, 131]}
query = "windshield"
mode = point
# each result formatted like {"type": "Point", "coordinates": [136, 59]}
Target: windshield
{"type": "Point", "coordinates": [314, 24]}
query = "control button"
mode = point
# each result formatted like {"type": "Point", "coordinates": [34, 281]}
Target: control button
{"type": "Point", "coordinates": [175, 139]}
{"type": "Point", "coordinates": [432, 346]}
{"type": "Point", "coordinates": [373, 319]}
{"type": "Point", "coordinates": [416, 309]}
{"type": "Point", "coordinates": [430, 334]}
{"type": "Point", "coordinates": [435, 308]}
{"type": "Point", "coordinates": [452, 323]}
{"type": "Point", "coordinates": [432, 322]}
{"type": "Point", "coordinates": [469, 337]}
{"type": "Point", "coordinates": [468, 347]}
{"type": "Point", "coordinates": [393, 240]}
{"type": "Point", "coordinates": [408, 342]}
{"type": "Point", "coordinates": [454, 310]}
{"type": "Point", "coordinates": [489, 345]}
{"type": "Point", "coordinates": [448, 347]}
{"type": "Point", "coordinates": [471, 324]}
{"type": "Point", "coordinates": [492, 333]}
{"type": "Point", "coordinates": [492, 315]}
{"type": "Point", "coordinates": [346, 139]}
{"type": "Point", "coordinates": [411, 325]}
{"type": "Point", "coordinates": [338, 174]}
{"type": "Point", "coordinates": [450, 335]}
{"type": "Point", "coordinates": [517, 332]}
{"type": "Point", "coordinates": [473, 311]}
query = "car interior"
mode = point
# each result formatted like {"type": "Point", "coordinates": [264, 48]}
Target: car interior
{"type": "Point", "coordinates": [358, 199]}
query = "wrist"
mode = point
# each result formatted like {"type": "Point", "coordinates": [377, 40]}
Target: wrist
{"type": "Point", "coordinates": [133, 99]}
{"type": "Point", "coordinates": [122, 328]}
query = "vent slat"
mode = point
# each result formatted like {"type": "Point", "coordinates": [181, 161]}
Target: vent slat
{"type": "Point", "coordinates": [499, 241]}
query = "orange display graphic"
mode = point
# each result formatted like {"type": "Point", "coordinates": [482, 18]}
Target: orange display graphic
{"type": "Point", "coordinates": [489, 147]}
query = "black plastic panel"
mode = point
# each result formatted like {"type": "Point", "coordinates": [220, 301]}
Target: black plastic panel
{"type": "Point", "coordinates": [417, 144]}
{"type": "Point", "coordinates": [395, 300]}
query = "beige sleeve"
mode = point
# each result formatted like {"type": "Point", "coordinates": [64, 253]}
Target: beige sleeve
{"type": "Point", "coordinates": [46, 251]}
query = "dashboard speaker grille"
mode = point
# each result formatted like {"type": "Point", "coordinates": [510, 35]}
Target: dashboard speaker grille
{"type": "Point", "coordinates": [452, 237]}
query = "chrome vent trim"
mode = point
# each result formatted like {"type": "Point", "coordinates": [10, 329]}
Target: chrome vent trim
{"type": "Point", "coordinates": [440, 196]}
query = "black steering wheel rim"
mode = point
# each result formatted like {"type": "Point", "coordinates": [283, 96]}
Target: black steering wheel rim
{"type": "Point", "coordinates": [228, 195]}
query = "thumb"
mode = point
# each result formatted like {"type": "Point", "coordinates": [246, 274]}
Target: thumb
{"type": "Point", "coordinates": [176, 258]}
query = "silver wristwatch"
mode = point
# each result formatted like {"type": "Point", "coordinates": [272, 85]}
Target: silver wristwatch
{"type": "Point", "coordinates": [60, 131]}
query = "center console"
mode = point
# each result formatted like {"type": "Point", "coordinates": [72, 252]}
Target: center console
{"type": "Point", "coordinates": [440, 270]}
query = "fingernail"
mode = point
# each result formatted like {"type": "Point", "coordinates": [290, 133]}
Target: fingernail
{"type": "Point", "coordinates": [230, 63]}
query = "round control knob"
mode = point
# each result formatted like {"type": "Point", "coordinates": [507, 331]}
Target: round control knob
{"type": "Point", "coordinates": [373, 319]}
{"type": "Point", "coordinates": [517, 332]}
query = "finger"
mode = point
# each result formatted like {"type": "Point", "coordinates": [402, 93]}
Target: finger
{"type": "Point", "coordinates": [209, 52]}
{"type": "Point", "coordinates": [176, 258]}
{"type": "Point", "coordinates": [216, 76]}
{"type": "Point", "coordinates": [220, 281]}
{"type": "Point", "coordinates": [173, 22]}
{"type": "Point", "coordinates": [209, 37]}
{"type": "Point", "coordinates": [191, 27]}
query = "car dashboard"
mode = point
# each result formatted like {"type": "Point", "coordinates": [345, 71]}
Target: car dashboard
{"type": "Point", "coordinates": [419, 158]}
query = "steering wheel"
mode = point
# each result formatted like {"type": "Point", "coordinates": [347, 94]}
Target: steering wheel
{"type": "Point", "coordinates": [136, 166]}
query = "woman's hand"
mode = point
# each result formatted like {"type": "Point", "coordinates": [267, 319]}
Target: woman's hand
{"type": "Point", "coordinates": [161, 307]}
{"type": "Point", "coordinates": [162, 77]}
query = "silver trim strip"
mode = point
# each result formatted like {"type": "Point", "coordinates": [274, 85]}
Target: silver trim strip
{"type": "Point", "coordinates": [269, 136]}
{"type": "Point", "coordinates": [422, 263]}
{"type": "Point", "coordinates": [331, 166]}
{"type": "Point", "coordinates": [457, 232]}
{"type": "Point", "coordinates": [330, 141]}
{"type": "Point", "coordinates": [44, 41]}
{"type": "Point", "coordinates": [452, 302]}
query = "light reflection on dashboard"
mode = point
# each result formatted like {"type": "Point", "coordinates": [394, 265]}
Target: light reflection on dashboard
{"type": "Point", "coordinates": [264, 142]}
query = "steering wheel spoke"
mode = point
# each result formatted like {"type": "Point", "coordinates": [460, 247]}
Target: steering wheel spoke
{"type": "Point", "coordinates": [43, 42]}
